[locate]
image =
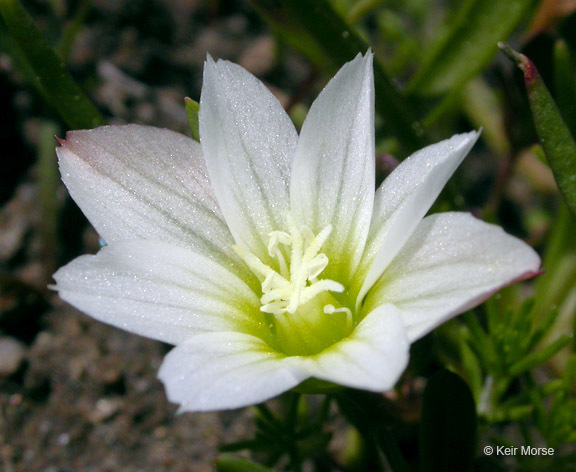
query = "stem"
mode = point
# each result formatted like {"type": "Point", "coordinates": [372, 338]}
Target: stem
{"type": "Point", "coordinates": [48, 183]}
{"type": "Point", "coordinates": [291, 424]}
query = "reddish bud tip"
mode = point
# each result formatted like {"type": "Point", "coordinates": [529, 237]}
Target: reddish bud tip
{"type": "Point", "coordinates": [525, 64]}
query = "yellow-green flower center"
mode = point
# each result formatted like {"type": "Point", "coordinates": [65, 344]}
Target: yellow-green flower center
{"type": "Point", "coordinates": [294, 293]}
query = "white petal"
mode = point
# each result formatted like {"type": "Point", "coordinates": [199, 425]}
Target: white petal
{"type": "Point", "coordinates": [216, 371]}
{"type": "Point", "coordinates": [405, 197]}
{"type": "Point", "coordinates": [248, 142]}
{"type": "Point", "coordinates": [140, 182]}
{"type": "Point", "coordinates": [333, 173]}
{"type": "Point", "coordinates": [452, 263]}
{"type": "Point", "coordinates": [158, 290]}
{"type": "Point", "coordinates": [372, 358]}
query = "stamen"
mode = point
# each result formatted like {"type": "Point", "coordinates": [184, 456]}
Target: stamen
{"type": "Point", "coordinates": [277, 238]}
{"type": "Point", "coordinates": [331, 309]}
{"type": "Point", "coordinates": [316, 266]}
{"type": "Point", "coordinates": [318, 242]}
{"type": "Point", "coordinates": [297, 283]}
{"type": "Point", "coordinates": [318, 287]}
{"type": "Point", "coordinates": [261, 270]}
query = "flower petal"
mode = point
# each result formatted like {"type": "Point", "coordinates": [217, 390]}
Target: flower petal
{"type": "Point", "coordinates": [405, 197]}
{"type": "Point", "coordinates": [372, 358]}
{"type": "Point", "coordinates": [248, 141]}
{"type": "Point", "coordinates": [452, 263]}
{"type": "Point", "coordinates": [158, 290]}
{"type": "Point", "coordinates": [333, 173]}
{"type": "Point", "coordinates": [215, 371]}
{"type": "Point", "coordinates": [141, 182]}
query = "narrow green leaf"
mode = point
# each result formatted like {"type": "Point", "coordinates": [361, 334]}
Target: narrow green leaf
{"type": "Point", "coordinates": [515, 413]}
{"type": "Point", "coordinates": [471, 365]}
{"type": "Point", "coordinates": [230, 463]}
{"type": "Point", "coordinates": [545, 324]}
{"type": "Point", "coordinates": [539, 357]}
{"type": "Point", "coordinates": [250, 444]}
{"type": "Point", "coordinates": [484, 109]}
{"type": "Point", "coordinates": [360, 9]}
{"type": "Point", "coordinates": [286, 26]}
{"type": "Point", "coordinates": [565, 84]}
{"type": "Point", "coordinates": [447, 435]}
{"type": "Point", "coordinates": [192, 109]}
{"type": "Point", "coordinates": [555, 137]}
{"type": "Point", "coordinates": [330, 38]}
{"type": "Point", "coordinates": [469, 44]}
{"type": "Point", "coordinates": [72, 27]}
{"type": "Point", "coordinates": [481, 343]}
{"type": "Point", "coordinates": [9, 45]}
{"type": "Point", "coordinates": [561, 238]}
{"type": "Point", "coordinates": [553, 290]}
{"type": "Point", "coordinates": [51, 76]}
{"type": "Point", "coordinates": [569, 378]}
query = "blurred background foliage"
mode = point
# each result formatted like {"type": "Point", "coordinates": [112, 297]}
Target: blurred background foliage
{"type": "Point", "coordinates": [511, 377]}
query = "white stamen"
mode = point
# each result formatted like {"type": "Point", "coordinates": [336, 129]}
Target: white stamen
{"type": "Point", "coordinates": [277, 238]}
{"type": "Point", "coordinates": [298, 284]}
{"type": "Point", "coordinates": [317, 265]}
{"type": "Point", "coordinates": [331, 309]}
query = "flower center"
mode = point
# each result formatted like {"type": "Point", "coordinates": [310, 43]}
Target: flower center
{"type": "Point", "coordinates": [294, 295]}
{"type": "Point", "coordinates": [296, 282]}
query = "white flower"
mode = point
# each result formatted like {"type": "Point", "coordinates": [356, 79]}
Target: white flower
{"type": "Point", "coordinates": [271, 260]}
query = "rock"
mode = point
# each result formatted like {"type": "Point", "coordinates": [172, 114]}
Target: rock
{"type": "Point", "coordinates": [12, 353]}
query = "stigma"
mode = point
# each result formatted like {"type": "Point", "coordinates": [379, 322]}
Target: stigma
{"type": "Point", "coordinates": [295, 279]}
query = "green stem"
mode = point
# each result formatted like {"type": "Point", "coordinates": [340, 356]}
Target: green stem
{"type": "Point", "coordinates": [48, 182]}
{"type": "Point", "coordinates": [290, 425]}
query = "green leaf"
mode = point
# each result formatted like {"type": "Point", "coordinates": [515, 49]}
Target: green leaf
{"type": "Point", "coordinates": [72, 27]}
{"type": "Point", "coordinates": [192, 109]}
{"type": "Point", "coordinates": [554, 135]}
{"type": "Point", "coordinates": [470, 363]}
{"type": "Point", "coordinates": [361, 8]}
{"type": "Point", "coordinates": [483, 107]}
{"type": "Point", "coordinates": [51, 77]}
{"type": "Point", "coordinates": [17, 58]}
{"type": "Point", "coordinates": [565, 84]}
{"type": "Point", "coordinates": [321, 34]}
{"type": "Point", "coordinates": [230, 463]}
{"type": "Point", "coordinates": [541, 356]}
{"type": "Point", "coordinates": [469, 44]}
{"type": "Point", "coordinates": [447, 435]}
